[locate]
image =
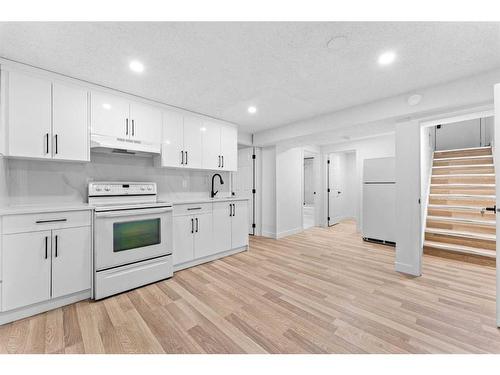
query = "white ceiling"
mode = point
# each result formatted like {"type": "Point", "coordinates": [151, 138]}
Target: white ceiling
{"type": "Point", "coordinates": [285, 69]}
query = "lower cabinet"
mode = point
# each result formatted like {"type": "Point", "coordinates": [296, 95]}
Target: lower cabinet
{"type": "Point", "coordinates": [38, 266]}
{"type": "Point", "coordinates": [222, 227]}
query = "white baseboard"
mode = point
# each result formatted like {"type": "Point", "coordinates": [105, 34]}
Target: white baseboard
{"type": "Point", "coordinates": [289, 232]}
{"type": "Point", "coordinates": [268, 234]}
{"type": "Point", "coordinates": [24, 312]}
{"type": "Point", "coordinates": [192, 263]}
{"type": "Point", "coordinates": [408, 269]}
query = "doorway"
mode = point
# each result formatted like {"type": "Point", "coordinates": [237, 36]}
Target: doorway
{"type": "Point", "coordinates": [309, 193]}
{"type": "Point", "coordinates": [342, 197]}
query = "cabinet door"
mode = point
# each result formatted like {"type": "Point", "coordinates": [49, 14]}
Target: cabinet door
{"type": "Point", "coordinates": [172, 142]}
{"type": "Point", "coordinates": [110, 115]}
{"type": "Point", "coordinates": [71, 269]}
{"type": "Point", "coordinates": [145, 123]}
{"type": "Point", "coordinates": [211, 158]}
{"type": "Point", "coordinates": [183, 239]}
{"type": "Point", "coordinates": [29, 116]}
{"type": "Point", "coordinates": [70, 129]}
{"type": "Point", "coordinates": [203, 237]}
{"type": "Point", "coordinates": [193, 129]}
{"type": "Point", "coordinates": [239, 224]}
{"type": "Point", "coordinates": [26, 269]}
{"type": "Point", "coordinates": [229, 147]}
{"type": "Point", "coordinates": [222, 226]}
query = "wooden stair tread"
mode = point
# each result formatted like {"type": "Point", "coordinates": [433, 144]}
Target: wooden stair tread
{"type": "Point", "coordinates": [462, 196]}
{"type": "Point", "coordinates": [480, 148]}
{"type": "Point", "coordinates": [462, 234]}
{"type": "Point", "coordinates": [462, 220]}
{"type": "Point", "coordinates": [471, 166]}
{"type": "Point", "coordinates": [455, 158]}
{"type": "Point", "coordinates": [461, 249]}
{"type": "Point", "coordinates": [464, 185]}
{"type": "Point", "coordinates": [454, 207]}
{"type": "Point", "coordinates": [467, 175]}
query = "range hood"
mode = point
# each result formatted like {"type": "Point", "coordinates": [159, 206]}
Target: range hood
{"type": "Point", "coordinates": [122, 146]}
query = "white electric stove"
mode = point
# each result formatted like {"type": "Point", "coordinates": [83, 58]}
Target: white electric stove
{"type": "Point", "coordinates": [132, 236]}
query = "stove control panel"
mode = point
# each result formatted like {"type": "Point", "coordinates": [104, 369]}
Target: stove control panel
{"type": "Point", "coordinates": [121, 188]}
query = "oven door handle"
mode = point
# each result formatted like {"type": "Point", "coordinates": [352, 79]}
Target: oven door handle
{"type": "Point", "coordinates": [136, 212]}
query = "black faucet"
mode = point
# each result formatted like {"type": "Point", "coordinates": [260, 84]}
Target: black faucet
{"type": "Point", "coordinates": [213, 193]}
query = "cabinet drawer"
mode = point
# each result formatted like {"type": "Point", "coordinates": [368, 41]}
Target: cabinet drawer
{"type": "Point", "coordinates": [192, 209]}
{"type": "Point", "coordinates": [45, 221]}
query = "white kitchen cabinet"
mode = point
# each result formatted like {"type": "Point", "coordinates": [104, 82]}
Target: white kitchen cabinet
{"type": "Point", "coordinates": [222, 212]}
{"type": "Point", "coordinates": [26, 263]}
{"type": "Point", "coordinates": [45, 119]}
{"type": "Point", "coordinates": [172, 148]}
{"type": "Point", "coordinates": [27, 100]}
{"type": "Point", "coordinates": [229, 148]}
{"type": "Point", "coordinates": [203, 235]}
{"type": "Point", "coordinates": [118, 117]}
{"type": "Point", "coordinates": [70, 127]}
{"type": "Point", "coordinates": [211, 137]}
{"type": "Point", "coordinates": [239, 224]}
{"type": "Point", "coordinates": [183, 239]}
{"type": "Point", "coordinates": [193, 129]}
{"type": "Point", "coordinates": [71, 268]}
{"type": "Point", "coordinates": [44, 256]}
{"type": "Point", "coordinates": [220, 146]}
{"type": "Point", "coordinates": [110, 115]}
{"type": "Point", "coordinates": [146, 122]}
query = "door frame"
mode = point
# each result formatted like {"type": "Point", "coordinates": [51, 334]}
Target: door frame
{"type": "Point", "coordinates": [317, 184]}
{"type": "Point", "coordinates": [470, 114]}
{"type": "Point", "coordinates": [327, 183]}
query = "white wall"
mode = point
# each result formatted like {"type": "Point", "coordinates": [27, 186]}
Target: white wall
{"type": "Point", "coordinates": [268, 188]}
{"type": "Point", "coordinates": [427, 143]}
{"type": "Point", "coordinates": [289, 171]}
{"type": "Point", "coordinates": [368, 148]}
{"type": "Point", "coordinates": [244, 138]}
{"type": "Point", "coordinates": [3, 182]}
{"type": "Point", "coordinates": [38, 182]}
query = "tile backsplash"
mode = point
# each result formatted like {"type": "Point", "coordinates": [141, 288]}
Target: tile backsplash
{"type": "Point", "coordinates": [39, 182]}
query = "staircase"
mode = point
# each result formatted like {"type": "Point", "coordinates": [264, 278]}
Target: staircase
{"type": "Point", "coordinates": [462, 185]}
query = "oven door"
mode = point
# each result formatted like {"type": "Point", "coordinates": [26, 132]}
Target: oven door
{"type": "Point", "coordinates": [128, 236]}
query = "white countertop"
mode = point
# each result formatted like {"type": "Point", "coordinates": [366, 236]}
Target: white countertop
{"type": "Point", "coordinates": [209, 200]}
{"type": "Point", "coordinates": [47, 207]}
{"type": "Point", "coordinates": [59, 207]}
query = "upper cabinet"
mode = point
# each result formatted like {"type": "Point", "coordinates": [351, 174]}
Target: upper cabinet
{"type": "Point", "coordinates": [191, 141]}
{"type": "Point", "coordinates": [118, 117]}
{"type": "Point", "coordinates": [44, 119]}
{"type": "Point", "coordinates": [220, 146]}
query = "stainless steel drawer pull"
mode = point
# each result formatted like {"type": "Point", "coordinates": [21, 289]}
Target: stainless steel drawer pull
{"type": "Point", "coordinates": [194, 208]}
{"type": "Point", "coordinates": [50, 221]}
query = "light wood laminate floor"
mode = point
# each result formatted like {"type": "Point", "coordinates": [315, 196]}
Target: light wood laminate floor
{"type": "Point", "coordinates": [321, 291]}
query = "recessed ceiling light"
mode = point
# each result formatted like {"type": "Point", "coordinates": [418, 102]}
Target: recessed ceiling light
{"type": "Point", "coordinates": [106, 105]}
{"type": "Point", "coordinates": [203, 129]}
{"type": "Point", "coordinates": [136, 66]}
{"type": "Point", "coordinates": [387, 58]}
{"type": "Point", "coordinates": [252, 109]}
{"type": "Point", "coordinates": [414, 99]}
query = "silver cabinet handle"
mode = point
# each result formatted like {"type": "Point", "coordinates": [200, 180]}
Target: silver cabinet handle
{"type": "Point", "coordinates": [56, 241]}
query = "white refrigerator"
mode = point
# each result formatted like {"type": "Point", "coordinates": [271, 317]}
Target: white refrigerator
{"type": "Point", "coordinates": [379, 200]}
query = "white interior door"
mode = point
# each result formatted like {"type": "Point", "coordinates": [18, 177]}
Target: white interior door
{"type": "Point", "coordinates": [243, 181]}
{"type": "Point", "coordinates": [70, 138]}
{"type": "Point", "coordinates": [336, 186]}
{"type": "Point", "coordinates": [497, 181]}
